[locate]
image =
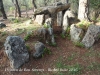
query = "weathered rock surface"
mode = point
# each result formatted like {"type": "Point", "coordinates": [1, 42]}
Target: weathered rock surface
{"type": "Point", "coordinates": [39, 19]}
{"type": "Point", "coordinates": [59, 18]}
{"type": "Point", "coordinates": [75, 33]}
{"type": "Point", "coordinates": [50, 30]}
{"type": "Point", "coordinates": [92, 35]}
{"type": "Point", "coordinates": [66, 20]}
{"type": "Point", "coordinates": [16, 51]}
{"type": "Point", "coordinates": [2, 25]}
{"type": "Point", "coordinates": [39, 47]}
{"type": "Point", "coordinates": [48, 22]}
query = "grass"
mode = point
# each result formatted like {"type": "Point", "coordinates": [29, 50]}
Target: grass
{"type": "Point", "coordinates": [15, 20]}
{"type": "Point", "coordinates": [75, 69]}
{"type": "Point", "coordinates": [68, 36]}
{"type": "Point", "coordinates": [3, 33]}
{"type": "Point", "coordinates": [63, 36]}
{"type": "Point", "coordinates": [93, 66]}
{"type": "Point", "coordinates": [20, 31]}
{"type": "Point", "coordinates": [28, 47]}
{"type": "Point", "coordinates": [71, 57]}
{"type": "Point", "coordinates": [83, 24]}
{"type": "Point", "coordinates": [79, 44]}
{"type": "Point", "coordinates": [46, 51]}
{"type": "Point", "coordinates": [45, 25]}
{"type": "Point", "coordinates": [68, 30]}
{"type": "Point", "coordinates": [27, 37]}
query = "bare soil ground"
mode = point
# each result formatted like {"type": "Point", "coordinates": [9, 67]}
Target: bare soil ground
{"type": "Point", "coordinates": [75, 60]}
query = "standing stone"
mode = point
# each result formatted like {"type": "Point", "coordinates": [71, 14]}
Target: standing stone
{"type": "Point", "coordinates": [48, 22]}
{"type": "Point", "coordinates": [16, 51]}
{"type": "Point", "coordinates": [59, 18]}
{"type": "Point", "coordinates": [75, 33]}
{"type": "Point", "coordinates": [66, 20]}
{"type": "Point", "coordinates": [39, 19]}
{"type": "Point", "coordinates": [68, 17]}
{"type": "Point", "coordinates": [65, 24]}
{"type": "Point", "coordinates": [39, 47]}
{"type": "Point", "coordinates": [93, 34]}
{"type": "Point", "coordinates": [50, 30]}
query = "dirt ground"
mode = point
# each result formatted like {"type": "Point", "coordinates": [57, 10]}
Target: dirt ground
{"type": "Point", "coordinates": [62, 55]}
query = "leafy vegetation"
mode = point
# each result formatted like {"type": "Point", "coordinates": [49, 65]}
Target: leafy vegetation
{"type": "Point", "coordinates": [71, 57]}
{"type": "Point", "coordinates": [46, 51]}
{"type": "Point", "coordinates": [94, 66]}
{"type": "Point", "coordinates": [63, 36]}
{"type": "Point", "coordinates": [27, 37]}
{"type": "Point", "coordinates": [83, 24]}
{"type": "Point", "coordinates": [79, 44]}
{"type": "Point", "coordinates": [95, 4]}
{"type": "Point", "coordinates": [28, 47]}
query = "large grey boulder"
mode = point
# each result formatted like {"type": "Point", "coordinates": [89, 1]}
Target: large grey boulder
{"type": "Point", "coordinates": [16, 51]}
{"type": "Point", "coordinates": [39, 47]}
{"type": "Point", "coordinates": [75, 33]}
{"type": "Point", "coordinates": [2, 25]}
{"type": "Point", "coordinates": [92, 35]}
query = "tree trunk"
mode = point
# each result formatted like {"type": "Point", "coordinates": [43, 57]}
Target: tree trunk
{"type": "Point", "coordinates": [34, 5]}
{"type": "Point", "coordinates": [26, 9]}
{"type": "Point", "coordinates": [2, 10]}
{"type": "Point", "coordinates": [17, 8]}
{"type": "Point", "coordinates": [83, 10]}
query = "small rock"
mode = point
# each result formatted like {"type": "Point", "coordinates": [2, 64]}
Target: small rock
{"type": "Point", "coordinates": [2, 25]}
{"type": "Point", "coordinates": [39, 47]}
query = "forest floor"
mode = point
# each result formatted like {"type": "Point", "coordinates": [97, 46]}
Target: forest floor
{"type": "Point", "coordinates": [66, 55]}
